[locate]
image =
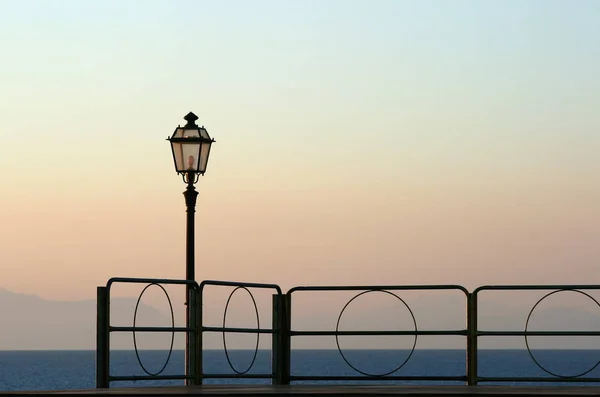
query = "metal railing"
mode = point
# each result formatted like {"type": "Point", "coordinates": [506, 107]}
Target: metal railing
{"type": "Point", "coordinates": [282, 334]}
{"type": "Point", "coordinates": [362, 290]}
{"type": "Point", "coordinates": [104, 330]}
{"type": "Point", "coordinates": [554, 377]}
{"type": "Point", "coordinates": [274, 330]}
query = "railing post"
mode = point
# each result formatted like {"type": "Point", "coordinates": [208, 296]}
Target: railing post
{"type": "Point", "coordinates": [198, 336]}
{"type": "Point", "coordinates": [102, 338]}
{"type": "Point", "coordinates": [276, 359]}
{"type": "Point", "coordinates": [281, 347]}
{"type": "Point", "coordinates": [192, 337]}
{"type": "Point", "coordinates": [472, 339]}
{"type": "Point", "coordinates": [286, 338]}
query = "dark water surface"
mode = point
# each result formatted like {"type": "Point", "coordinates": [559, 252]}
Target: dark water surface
{"type": "Point", "coordinates": [47, 370]}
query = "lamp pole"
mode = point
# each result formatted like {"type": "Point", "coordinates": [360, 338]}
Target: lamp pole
{"type": "Point", "coordinates": [190, 195]}
{"type": "Point", "coordinates": [191, 147]}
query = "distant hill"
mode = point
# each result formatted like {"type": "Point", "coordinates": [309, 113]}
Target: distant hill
{"type": "Point", "coordinates": [29, 322]}
{"type": "Point", "coordinates": [32, 323]}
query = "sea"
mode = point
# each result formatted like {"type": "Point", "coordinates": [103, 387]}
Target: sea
{"type": "Point", "coordinates": [63, 370]}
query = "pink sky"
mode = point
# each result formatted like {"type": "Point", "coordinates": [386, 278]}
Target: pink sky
{"type": "Point", "coordinates": [454, 146]}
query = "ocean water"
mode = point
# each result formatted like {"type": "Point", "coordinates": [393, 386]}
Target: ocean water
{"type": "Point", "coordinates": [51, 370]}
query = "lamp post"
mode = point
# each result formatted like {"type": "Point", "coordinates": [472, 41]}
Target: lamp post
{"type": "Point", "coordinates": [191, 146]}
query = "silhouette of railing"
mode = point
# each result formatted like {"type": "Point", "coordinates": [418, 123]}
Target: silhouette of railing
{"type": "Point", "coordinates": [274, 330]}
{"type": "Point", "coordinates": [282, 334]}
{"type": "Point", "coordinates": [104, 330]}
{"type": "Point", "coordinates": [364, 375]}
{"type": "Point", "coordinates": [555, 377]}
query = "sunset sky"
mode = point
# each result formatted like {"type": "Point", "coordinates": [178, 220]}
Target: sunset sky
{"type": "Point", "coordinates": [358, 142]}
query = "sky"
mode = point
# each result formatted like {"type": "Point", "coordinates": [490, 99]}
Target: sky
{"type": "Point", "coordinates": [357, 142]}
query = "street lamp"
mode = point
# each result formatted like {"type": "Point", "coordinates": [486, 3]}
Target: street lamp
{"type": "Point", "coordinates": [191, 146]}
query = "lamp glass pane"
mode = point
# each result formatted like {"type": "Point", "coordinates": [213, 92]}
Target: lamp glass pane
{"type": "Point", "coordinates": [177, 155]}
{"type": "Point", "coordinates": [189, 156]}
{"type": "Point", "coordinates": [191, 133]}
{"type": "Point", "coordinates": [204, 156]}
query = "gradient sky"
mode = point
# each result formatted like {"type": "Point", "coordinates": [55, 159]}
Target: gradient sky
{"type": "Point", "coordinates": [358, 142]}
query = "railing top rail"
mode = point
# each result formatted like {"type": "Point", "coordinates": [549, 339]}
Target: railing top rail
{"type": "Point", "coordinates": [113, 280]}
{"type": "Point", "coordinates": [377, 288]}
{"type": "Point", "coordinates": [240, 284]}
{"type": "Point", "coordinates": [535, 287]}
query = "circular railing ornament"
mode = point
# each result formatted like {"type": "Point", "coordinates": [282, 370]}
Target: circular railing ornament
{"type": "Point", "coordinates": [527, 341]}
{"type": "Point", "coordinates": [257, 334]}
{"type": "Point", "coordinates": [172, 332]}
{"type": "Point", "coordinates": [337, 341]}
